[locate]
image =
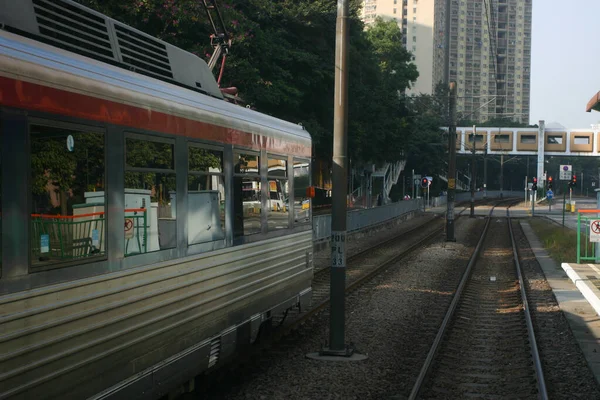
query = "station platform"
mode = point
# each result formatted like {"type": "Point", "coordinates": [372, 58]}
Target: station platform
{"type": "Point", "coordinates": [576, 288]}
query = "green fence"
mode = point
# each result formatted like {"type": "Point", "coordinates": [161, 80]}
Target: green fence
{"type": "Point", "coordinates": [67, 237]}
{"type": "Point", "coordinates": [586, 250]}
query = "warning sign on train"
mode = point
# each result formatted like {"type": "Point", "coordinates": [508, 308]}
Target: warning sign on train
{"type": "Point", "coordinates": [595, 230]}
{"type": "Point", "coordinates": [128, 228]}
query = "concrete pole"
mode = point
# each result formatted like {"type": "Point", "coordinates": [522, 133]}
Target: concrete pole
{"type": "Point", "coordinates": [540, 152]}
{"type": "Point", "coordinates": [452, 157]}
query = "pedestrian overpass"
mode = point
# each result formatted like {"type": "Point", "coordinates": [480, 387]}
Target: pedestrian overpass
{"type": "Point", "coordinates": [538, 142]}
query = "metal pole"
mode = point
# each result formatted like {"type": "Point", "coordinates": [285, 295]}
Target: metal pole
{"type": "Point", "coordinates": [526, 190]}
{"type": "Point", "coordinates": [337, 346]}
{"type": "Point", "coordinates": [501, 174]}
{"type": "Point", "coordinates": [452, 153]}
{"type": "Point", "coordinates": [596, 245]}
{"type": "Point", "coordinates": [472, 215]}
{"type": "Point", "coordinates": [564, 202]}
{"type": "Point", "coordinates": [447, 46]}
{"type": "Point", "coordinates": [413, 184]}
{"type": "Point", "coordinates": [485, 173]}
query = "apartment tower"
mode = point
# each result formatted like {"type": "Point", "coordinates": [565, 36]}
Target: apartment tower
{"type": "Point", "coordinates": [490, 56]}
{"type": "Point", "coordinates": [416, 20]}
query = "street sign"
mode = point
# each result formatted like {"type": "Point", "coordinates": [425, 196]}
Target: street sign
{"type": "Point", "coordinates": [549, 194]}
{"type": "Point", "coordinates": [593, 184]}
{"type": "Point", "coordinates": [565, 172]}
{"type": "Point", "coordinates": [595, 230]}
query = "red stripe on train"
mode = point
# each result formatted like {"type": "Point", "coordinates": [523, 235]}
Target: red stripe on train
{"type": "Point", "coordinates": [31, 96]}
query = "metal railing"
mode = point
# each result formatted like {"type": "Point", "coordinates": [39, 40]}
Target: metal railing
{"type": "Point", "coordinates": [67, 237]}
{"type": "Point", "coordinates": [360, 219]}
{"type": "Point", "coordinates": [586, 250]}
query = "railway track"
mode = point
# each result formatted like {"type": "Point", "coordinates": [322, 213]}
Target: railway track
{"type": "Point", "coordinates": [361, 270]}
{"type": "Point", "coordinates": [485, 346]}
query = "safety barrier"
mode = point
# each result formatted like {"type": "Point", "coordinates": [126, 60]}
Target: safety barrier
{"type": "Point", "coordinates": [589, 221]}
{"type": "Point", "coordinates": [360, 219]}
{"type": "Point", "coordinates": [67, 237]}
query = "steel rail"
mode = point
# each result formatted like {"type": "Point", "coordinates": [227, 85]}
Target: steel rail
{"type": "Point", "coordinates": [425, 369]}
{"type": "Point", "coordinates": [539, 372]}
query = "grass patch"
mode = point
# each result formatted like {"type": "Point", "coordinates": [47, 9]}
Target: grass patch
{"type": "Point", "coordinates": [560, 242]}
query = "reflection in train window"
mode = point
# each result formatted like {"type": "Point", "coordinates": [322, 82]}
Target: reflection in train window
{"type": "Point", "coordinates": [528, 139]}
{"type": "Point", "coordinates": [501, 138]}
{"type": "Point", "coordinates": [150, 196]}
{"type": "Point", "coordinates": [247, 206]}
{"type": "Point", "coordinates": [206, 195]}
{"type": "Point", "coordinates": [301, 183]}
{"type": "Point", "coordinates": [277, 202]}
{"type": "Point", "coordinates": [555, 139]}
{"type": "Point", "coordinates": [67, 186]}
{"type": "Point", "coordinates": [581, 140]}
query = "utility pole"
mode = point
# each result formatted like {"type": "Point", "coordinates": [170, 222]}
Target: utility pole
{"type": "Point", "coordinates": [337, 348]}
{"type": "Point", "coordinates": [452, 153]}
{"type": "Point", "coordinates": [501, 174]}
{"type": "Point", "coordinates": [473, 174]}
{"type": "Point", "coordinates": [485, 173]}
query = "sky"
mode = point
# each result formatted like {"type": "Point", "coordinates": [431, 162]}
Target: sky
{"type": "Point", "coordinates": [565, 62]}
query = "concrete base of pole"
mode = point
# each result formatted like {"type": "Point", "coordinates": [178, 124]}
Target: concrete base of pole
{"type": "Point", "coordinates": [327, 354]}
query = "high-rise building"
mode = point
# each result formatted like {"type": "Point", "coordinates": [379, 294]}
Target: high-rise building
{"type": "Point", "coordinates": [416, 20]}
{"type": "Point", "coordinates": [490, 56]}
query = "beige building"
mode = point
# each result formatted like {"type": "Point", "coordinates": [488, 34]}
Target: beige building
{"type": "Point", "coordinates": [490, 51]}
{"type": "Point", "coordinates": [416, 20]}
{"type": "Point", "coordinates": [490, 56]}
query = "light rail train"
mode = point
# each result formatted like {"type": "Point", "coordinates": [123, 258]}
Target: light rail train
{"type": "Point", "coordinates": [136, 252]}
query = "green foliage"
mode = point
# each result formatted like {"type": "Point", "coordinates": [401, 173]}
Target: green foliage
{"type": "Point", "coordinates": [282, 61]}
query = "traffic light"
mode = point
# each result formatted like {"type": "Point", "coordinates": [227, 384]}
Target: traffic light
{"type": "Point", "coordinates": [424, 183]}
{"type": "Point", "coordinates": [534, 186]}
{"type": "Point", "coordinates": [573, 181]}
{"type": "Point", "coordinates": [550, 183]}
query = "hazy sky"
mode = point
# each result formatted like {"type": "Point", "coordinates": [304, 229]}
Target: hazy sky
{"type": "Point", "coordinates": [565, 61]}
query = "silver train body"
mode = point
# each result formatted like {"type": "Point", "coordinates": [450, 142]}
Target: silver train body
{"type": "Point", "coordinates": [134, 326]}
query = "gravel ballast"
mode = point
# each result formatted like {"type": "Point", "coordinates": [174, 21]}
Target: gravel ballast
{"type": "Point", "coordinates": [390, 319]}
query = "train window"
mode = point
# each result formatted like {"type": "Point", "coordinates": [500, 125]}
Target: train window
{"type": "Point", "coordinates": [247, 204]}
{"type": "Point", "coordinates": [301, 183]}
{"type": "Point", "coordinates": [277, 202]}
{"type": "Point", "coordinates": [206, 195]}
{"type": "Point", "coordinates": [150, 196]}
{"type": "Point", "coordinates": [528, 139]}
{"type": "Point", "coordinates": [554, 139]}
{"type": "Point", "coordinates": [67, 186]}
{"type": "Point", "coordinates": [581, 140]}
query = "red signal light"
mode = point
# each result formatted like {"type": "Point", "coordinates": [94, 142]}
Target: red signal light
{"type": "Point", "coordinates": [550, 179]}
{"type": "Point", "coordinates": [534, 180]}
{"type": "Point", "coordinates": [574, 178]}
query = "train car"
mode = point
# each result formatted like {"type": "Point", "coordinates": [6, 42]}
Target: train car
{"type": "Point", "coordinates": [133, 255]}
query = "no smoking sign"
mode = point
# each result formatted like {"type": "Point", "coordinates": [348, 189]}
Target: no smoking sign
{"type": "Point", "coordinates": [595, 230]}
